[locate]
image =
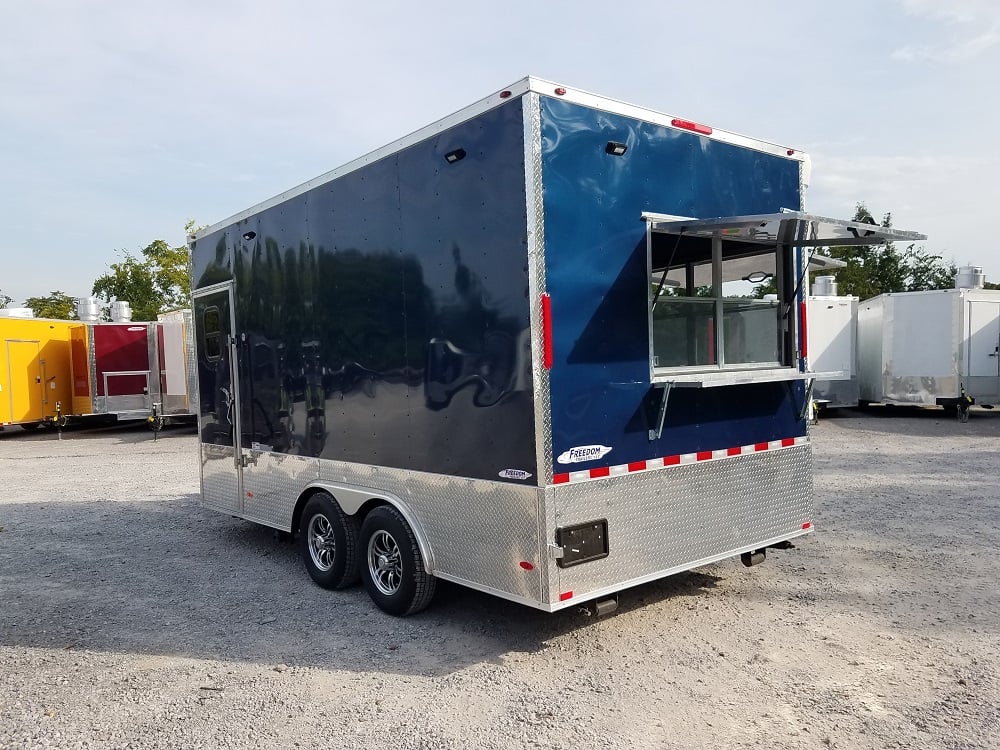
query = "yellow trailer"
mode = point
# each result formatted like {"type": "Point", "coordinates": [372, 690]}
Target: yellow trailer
{"type": "Point", "coordinates": [35, 371]}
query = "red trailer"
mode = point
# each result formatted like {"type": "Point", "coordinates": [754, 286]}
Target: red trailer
{"type": "Point", "coordinates": [115, 369]}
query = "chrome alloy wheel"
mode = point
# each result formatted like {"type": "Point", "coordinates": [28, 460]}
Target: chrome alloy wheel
{"type": "Point", "coordinates": [384, 563]}
{"type": "Point", "coordinates": [322, 545]}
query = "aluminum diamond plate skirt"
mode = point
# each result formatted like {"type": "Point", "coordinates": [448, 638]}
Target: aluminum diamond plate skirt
{"type": "Point", "coordinates": [219, 488]}
{"type": "Point", "coordinates": [272, 482]}
{"type": "Point", "coordinates": [479, 532]}
{"type": "Point", "coordinates": [494, 536]}
{"type": "Point", "coordinates": [662, 522]}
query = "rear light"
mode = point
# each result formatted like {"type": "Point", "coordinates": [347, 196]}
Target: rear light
{"type": "Point", "coordinates": [692, 126]}
{"type": "Point", "coordinates": [802, 334]}
{"type": "Point", "coordinates": [565, 595]}
{"type": "Point", "coordinates": [546, 332]}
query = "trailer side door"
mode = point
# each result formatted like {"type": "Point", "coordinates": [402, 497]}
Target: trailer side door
{"type": "Point", "coordinates": [25, 378]}
{"type": "Point", "coordinates": [218, 385]}
{"type": "Point", "coordinates": [984, 351]}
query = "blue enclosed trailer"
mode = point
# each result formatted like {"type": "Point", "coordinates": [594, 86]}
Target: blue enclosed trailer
{"type": "Point", "coordinates": [514, 350]}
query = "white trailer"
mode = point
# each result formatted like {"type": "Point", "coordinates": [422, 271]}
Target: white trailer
{"type": "Point", "coordinates": [932, 348]}
{"type": "Point", "coordinates": [832, 336]}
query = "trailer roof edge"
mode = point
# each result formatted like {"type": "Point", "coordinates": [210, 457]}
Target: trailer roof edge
{"type": "Point", "coordinates": [498, 98]}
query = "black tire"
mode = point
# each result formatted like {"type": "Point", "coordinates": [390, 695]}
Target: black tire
{"type": "Point", "coordinates": [392, 569]}
{"type": "Point", "coordinates": [328, 541]}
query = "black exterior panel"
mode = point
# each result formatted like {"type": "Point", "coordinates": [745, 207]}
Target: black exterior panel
{"type": "Point", "coordinates": [383, 316]}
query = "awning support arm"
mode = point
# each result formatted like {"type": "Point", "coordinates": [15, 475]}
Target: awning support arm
{"type": "Point", "coordinates": [655, 434]}
{"type": "Point", "coordinates": [804, 413]}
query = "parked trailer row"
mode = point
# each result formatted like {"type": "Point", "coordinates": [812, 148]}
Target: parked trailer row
{"type": "Point", "coordinates": [500, 352]}
{"type": "Point", "coordinates": [939, 347]}
{"type": "Point", "coordinates": [58, 370]}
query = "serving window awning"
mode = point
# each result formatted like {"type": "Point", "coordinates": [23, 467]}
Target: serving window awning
{"type": "Point", "coordinates": [677, 242]}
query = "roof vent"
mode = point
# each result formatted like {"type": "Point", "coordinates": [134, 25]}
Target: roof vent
{"type": "Point", "coordinates": [825, 286]}
{"type": "Point", "coordinates": [17, 312]}
{"type": "Point", "coordinates": [121, 312]}
{"type": "Point", "coordinates": [88, 309]}
{"type": "Point", "coordinates": [969, 277]}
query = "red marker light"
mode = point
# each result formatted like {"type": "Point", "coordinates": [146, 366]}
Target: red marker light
{"type": "Point", "coordinates": [565, 595]}
{"type": "Point", "coordinates": [802, 334]}
{"type": "Point", "coordinates": [560, 91]}
{"type": "Point", "coordinates": [547, 332]}
{"type": "Point", "coordinates": [504, 94]}
{"type": "Point", "coordinates": [526, 565]}
{"type": "Point", "coordinates": [807, 525]}
{"type": "Point", "coordinates": [790, 152]}
{"type": "Point", "coordinates": [693, 126]}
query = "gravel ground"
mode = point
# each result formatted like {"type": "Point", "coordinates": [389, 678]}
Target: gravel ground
{"type": "Point", "coordinates": [130, 617]}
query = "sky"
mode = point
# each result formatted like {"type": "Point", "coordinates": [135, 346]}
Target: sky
{"type": "Point", "coordinates": [121, 121]}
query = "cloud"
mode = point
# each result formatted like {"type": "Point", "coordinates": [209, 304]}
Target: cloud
{"type": "Point", "coordinates": [940, 195]}
{"type": "Point", "coordinates": [964, 30]}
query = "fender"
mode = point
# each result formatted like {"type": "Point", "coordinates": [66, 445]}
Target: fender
{"type": "Point", "coordinates": [351, 498]}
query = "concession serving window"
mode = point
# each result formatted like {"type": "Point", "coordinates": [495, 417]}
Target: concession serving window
{"type": "Point", "coordinates": [724, 293]}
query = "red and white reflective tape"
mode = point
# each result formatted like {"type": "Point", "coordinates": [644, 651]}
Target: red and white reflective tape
{"type": "Point", "coordinates": [678, 460]}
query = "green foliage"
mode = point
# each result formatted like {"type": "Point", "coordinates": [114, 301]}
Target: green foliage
{"type": "Point", "coordinates": [5, 300]}
{"type": "Point", "coordinates": [877, 269]}
{"type": "Point", "coordinates": [131, 280]}
{"type": "Point", "coordinates": [927, 271]}
{"type": "Point", "coordinates": [155, 281]}
{"type": "Point", "coordinates": [57, 305]}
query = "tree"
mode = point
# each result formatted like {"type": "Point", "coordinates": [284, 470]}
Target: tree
{"type": "Point", "coordinates": [131, 281]}
{"type": "Point", "coordinates": [155, 281]}
{"type": "Point", "coordinates": [877, 269]}
{"type": "Point", "coordinates": [927, 271]}
{"type": "Point", "coordinates": [5, 300]}
{"type": "Point", "coordinates": [57, 305]}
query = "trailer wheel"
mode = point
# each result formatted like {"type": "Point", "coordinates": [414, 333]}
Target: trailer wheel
{"type": "Point", "coordinates": [393, 570]}
{"type": "Point", "coordinates": [329, 543]}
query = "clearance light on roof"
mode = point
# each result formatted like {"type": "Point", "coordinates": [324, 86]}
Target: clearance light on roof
{"type": "Point", "coordinates": [692, 126]}
{"type": "Point", "coordinates": [560, 91]}
{"type": "Point", "coordinates": [504, 94]}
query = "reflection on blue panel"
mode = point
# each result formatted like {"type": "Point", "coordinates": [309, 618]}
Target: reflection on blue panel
{"type": "Point", "coordinates": [383, 316]}
{"type": "Point", "coordinates": [596, 275]}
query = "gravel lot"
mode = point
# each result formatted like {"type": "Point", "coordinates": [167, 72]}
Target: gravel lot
{"type": "Point", "coordinates": [130, 617]}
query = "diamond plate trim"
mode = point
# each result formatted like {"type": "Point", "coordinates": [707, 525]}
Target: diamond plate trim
{"type": "Point", "coordinates": [272, 483]}
{"type": "Point", "coordinates": [536, 279]}
{"type": "Point", "coordinates": [478, 531]}
{"type": "Point", "coordinates": [219, 481]}
{"type": "Point", "coordinates": [677, 518]}
{"type": "Point", "coordinates": [534, 203]}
